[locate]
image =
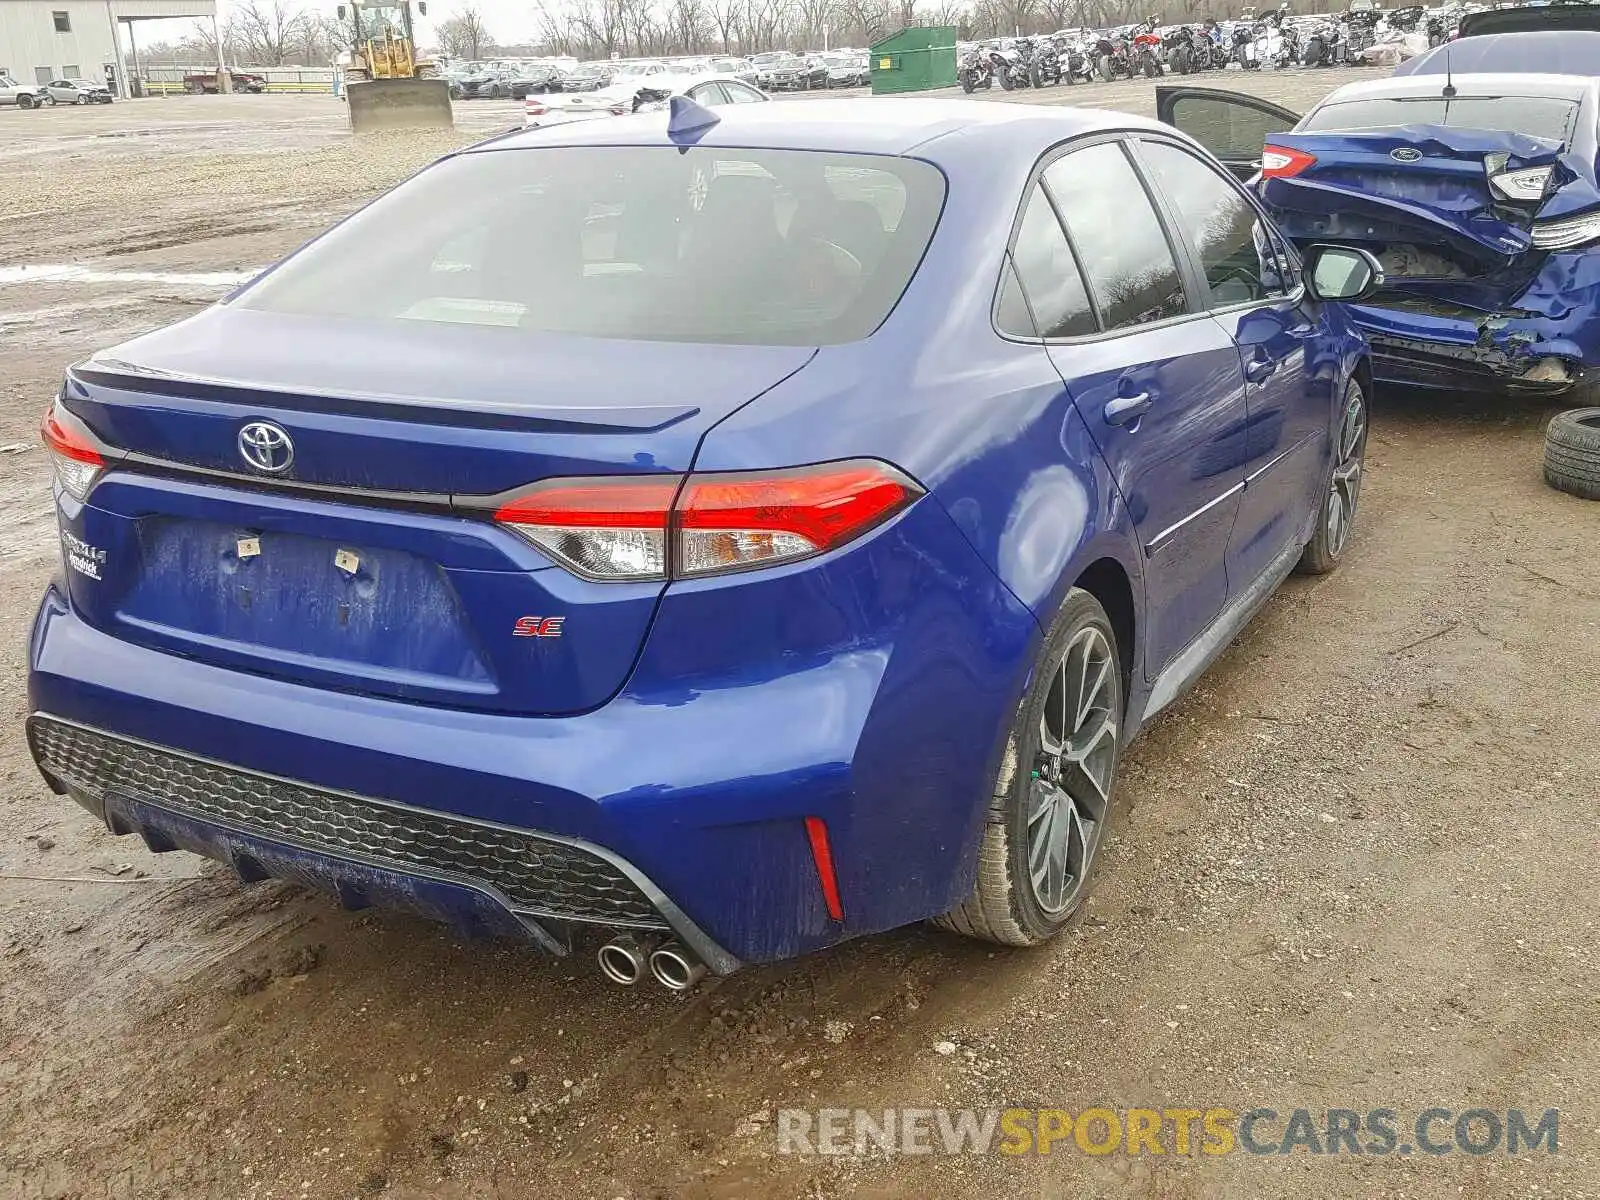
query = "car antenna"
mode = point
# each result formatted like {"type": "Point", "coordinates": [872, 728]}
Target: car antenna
{"type": "Point", "coordinates": [687, 121]}
{"type": "Point", "coordinates": [1449, 76]}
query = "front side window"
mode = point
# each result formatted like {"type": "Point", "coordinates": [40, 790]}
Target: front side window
{"type": "Point", "coordinates": [760, 247]}
{"type": "Point", "coordinates": [1224, 228]}
{"type": "Point", "coordinates": [1124, 250]}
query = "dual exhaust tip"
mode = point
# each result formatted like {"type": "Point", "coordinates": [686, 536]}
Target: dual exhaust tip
{"type": "Point", "coordinates": [626, 960]}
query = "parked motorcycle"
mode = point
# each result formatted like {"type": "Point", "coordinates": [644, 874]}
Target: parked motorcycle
{"type": "Point", "coordinates": [1325, 46]}
{"type": "Point", "coordinates": [1288, 51]}
{"type": "Point", "coordinates": [1437, 33]}
{"type": "Point", "coordinates": [1077, 66]}
{"type": "Point", "coordinates": [1181, 54]}
{"type": "Point", "coordinates": [1112, 60]}
{"type": "Point", "coordinates": [1009, 68]}
{"type": "Point", "coordinates": [1147, 54]}
{"type": "Point", "coordinates": [1042, 61]}
{"type": "Point", "coordinates": [975, 70]}
{"type": "Point", "coordinates": [1244, 47]}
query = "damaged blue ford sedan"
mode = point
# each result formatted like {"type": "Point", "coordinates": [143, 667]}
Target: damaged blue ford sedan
{"type": "Point", "coordinates": [1477, 193]}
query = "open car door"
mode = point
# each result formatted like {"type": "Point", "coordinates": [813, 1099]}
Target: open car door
{"type": "Point", "coordinates": [1233, 126]}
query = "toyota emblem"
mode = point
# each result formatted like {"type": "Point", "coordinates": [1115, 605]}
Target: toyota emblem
{"type": "Point", "coordinates": [266, 447]}
{"type": "Point", "coordinates": [1406, 154]}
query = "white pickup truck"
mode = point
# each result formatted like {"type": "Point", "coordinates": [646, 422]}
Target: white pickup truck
{"type": "Point", "coordinates": [23, 95]}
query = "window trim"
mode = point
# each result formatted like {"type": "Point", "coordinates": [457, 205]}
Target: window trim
{"type": "Point", "coordinates": [1175, 227]}
{"type": "Point", "coordinates": [1180, 255]}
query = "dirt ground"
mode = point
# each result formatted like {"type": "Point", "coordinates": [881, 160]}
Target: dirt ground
{"type": "Point", "coordinates": [1356, 868]}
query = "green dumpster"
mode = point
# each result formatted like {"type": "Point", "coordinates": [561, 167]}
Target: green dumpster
{"type": "Point", "coordinates": [914, 60]}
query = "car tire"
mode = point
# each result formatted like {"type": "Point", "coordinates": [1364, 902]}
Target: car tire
{"type": "Point", "coordinates": [1337, 510]}
{"type": "Point", "coordinates": [1048, 815]}
{"type": "Point", "coordinates": [81, 99]}
{"type": "Point", "coordinates": [1572, 453]}
{"type": "Point", "coordinates": [25, 102]}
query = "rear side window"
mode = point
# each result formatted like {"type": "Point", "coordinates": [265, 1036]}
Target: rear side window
{"type": "Point", "coordinates": [773, 247]}
{"type": "Point", "coordinates": [1537, 116]}
{"type": "Point", "coordinates": [1224, 228]}
{"type": "Point", "coordinates": [1049, 277]}
{"type": "Point", "coordinates": [1125, 253]}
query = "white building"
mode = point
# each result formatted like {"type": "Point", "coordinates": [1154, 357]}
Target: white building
{"type": "Point", "coordinates": [41, 40]}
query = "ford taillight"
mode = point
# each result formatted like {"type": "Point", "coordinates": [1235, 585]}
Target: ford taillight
{"type": "Point", "coordinates": [1280, 162]}
{"type": "Point", "coordinates": [74, 455]}
{"type": "Point", "coordinates": [652, 527]}
{"type": "Point", "coordinates": [1567, 233]}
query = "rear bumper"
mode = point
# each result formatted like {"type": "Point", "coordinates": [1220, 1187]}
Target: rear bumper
{"type": "Point", "coordinates": [484, 879]}
{"type": "Point", "coordinates": [871, 689]}
{"type": "Point", "coordinates": [1544, 342]}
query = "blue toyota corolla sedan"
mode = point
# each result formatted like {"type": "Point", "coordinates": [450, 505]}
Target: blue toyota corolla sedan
{"type": "Point", "coordinates": [732, 535]}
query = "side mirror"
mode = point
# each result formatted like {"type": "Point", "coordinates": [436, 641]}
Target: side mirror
{"type": "Point", "coordinates": [1342, 273]}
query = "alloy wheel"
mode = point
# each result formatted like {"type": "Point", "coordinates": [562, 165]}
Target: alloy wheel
{"type": "Point", "coordinates": [1070, 789]}
{"type": "Point", "coordinates": [1346, 487]}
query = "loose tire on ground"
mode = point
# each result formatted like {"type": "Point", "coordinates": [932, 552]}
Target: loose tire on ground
{"type": "Point", "coordinates": [1572, 453]}
{"type": "Point", "coordinates": [1005, 905]}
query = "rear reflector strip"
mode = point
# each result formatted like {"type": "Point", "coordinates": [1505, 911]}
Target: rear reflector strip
{"type": "Point", "coordinates": [822, 855]}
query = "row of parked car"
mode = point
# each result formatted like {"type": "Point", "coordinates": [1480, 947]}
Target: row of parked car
{"type": "Point", "coordinates": [57, 91]}
{"type": "Point", "coordinates": [772, 71]}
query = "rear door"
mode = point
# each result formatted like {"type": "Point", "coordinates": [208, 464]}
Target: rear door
{"type": "Point", "coordinates": [1252, 292]}
{"type": "Point", "coordinates": [1232, 126]}
{"type": "Point", "coordinates": [1157, 382]}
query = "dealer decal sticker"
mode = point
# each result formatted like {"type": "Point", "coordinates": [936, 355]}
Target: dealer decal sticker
{"type": "Point", "coordinates": [83, 558]}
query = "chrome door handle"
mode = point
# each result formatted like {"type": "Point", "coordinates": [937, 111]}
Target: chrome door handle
{"type": "Point", "coordinates": [1125, 410]}
{"type": "Point", "coordinates": [1260, 369]}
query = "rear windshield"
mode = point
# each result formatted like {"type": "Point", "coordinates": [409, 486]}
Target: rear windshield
{"type": "Point", "coordinates": [766, 247]}
{"type": "Point", "coordinates": [1537, 116]}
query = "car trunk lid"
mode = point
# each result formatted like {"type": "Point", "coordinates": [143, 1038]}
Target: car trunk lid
{"type": "Point", "coordinates": [371, 563]}
{"type": "Point", "coordinates": [1422, 197]}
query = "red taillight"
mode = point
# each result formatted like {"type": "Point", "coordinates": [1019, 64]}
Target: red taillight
{"type": "Point", "coordinates": [822, 855]}
{"type": "Point", "coordinates": [77, 461]}
{"type": "Point", "coordinates": [622, 528]}
{"type": "Point", "coordinates": [1280, 162]}
{"type": "Point", "coordinates": [536, 108]}
{"type": "Point", "coordinates": [733, 522]}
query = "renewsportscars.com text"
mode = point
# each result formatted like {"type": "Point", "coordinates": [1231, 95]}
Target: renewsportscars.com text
{"type": "Point", "coordinates": [1179, 1131]}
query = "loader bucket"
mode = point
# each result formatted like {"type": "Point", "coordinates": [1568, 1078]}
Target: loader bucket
{"type": "Point", "coordinates": [377, 104]}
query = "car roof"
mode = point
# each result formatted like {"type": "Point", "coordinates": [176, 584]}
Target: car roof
{"type": "Point", "coordinates": [1496, 83]}
{"type": "Point", "coordinates": [1545, 51]}
{"type": "Point", "coordinates": [861, 126]}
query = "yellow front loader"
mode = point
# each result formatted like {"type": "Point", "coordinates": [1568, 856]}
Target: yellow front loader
{"type": "Point", "coordinates": [386, 84]}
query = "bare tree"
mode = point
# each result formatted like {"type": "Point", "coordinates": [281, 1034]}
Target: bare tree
{"type": "Point", "coordinates": [599, 27]}
{"type": "Point", "coordinates": [725, 17]}
{"type": "Point", "coordinates": [265, 30]}
{"type": "Point", "coordinates": [688, 25]}
{"type": "Point", "coordinates": [465, 35]}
